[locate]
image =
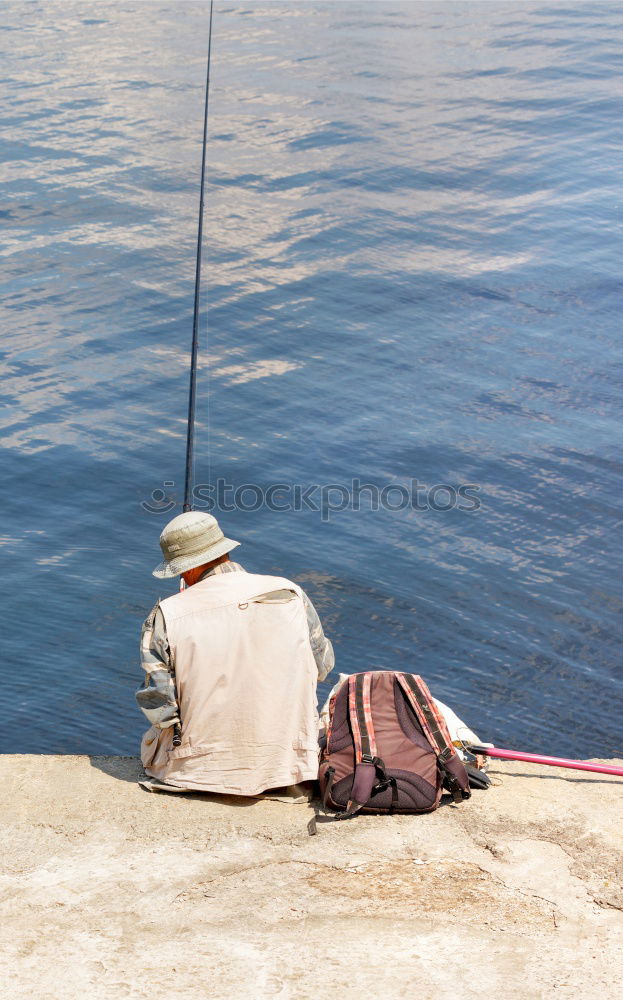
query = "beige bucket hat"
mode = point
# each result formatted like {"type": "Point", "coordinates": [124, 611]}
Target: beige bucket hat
{"type": "Point", "coordinates": [189, 540]}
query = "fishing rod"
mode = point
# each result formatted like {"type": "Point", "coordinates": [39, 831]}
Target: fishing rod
{"type": "Point", "coordinates": [535, 758]}
{"type": "Point", "coordinates": [190, 431]}
{"type": "Point", "coordinates": [192, 391]}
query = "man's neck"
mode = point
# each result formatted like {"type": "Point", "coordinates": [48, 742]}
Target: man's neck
{"type": "Point", "coordinates": [224, 567]}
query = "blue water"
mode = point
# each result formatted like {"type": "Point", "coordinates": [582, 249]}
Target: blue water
{"type": "Point", "coordinates": [413, 253]}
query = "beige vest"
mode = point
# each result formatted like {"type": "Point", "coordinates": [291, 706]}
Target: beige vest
{"type": "Point", "coordinates": [246, 684]}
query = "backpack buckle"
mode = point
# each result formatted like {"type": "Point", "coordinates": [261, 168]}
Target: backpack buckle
{"type": "Point", "coordinates": [367, 758]}
{"type": "Point", "coordinates": [446, 754]}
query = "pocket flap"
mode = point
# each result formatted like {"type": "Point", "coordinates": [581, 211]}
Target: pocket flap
{"type": "Point", "coordinates": [189, 750]}
{"type": "Point", "coordinates": [271, 597]}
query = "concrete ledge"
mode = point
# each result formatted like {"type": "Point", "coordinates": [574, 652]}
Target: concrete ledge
{"type": "Point", "coordinates": [108, 891]}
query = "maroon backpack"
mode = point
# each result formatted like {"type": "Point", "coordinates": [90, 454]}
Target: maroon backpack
{"type": "Point", "coordinates": [388, 748]}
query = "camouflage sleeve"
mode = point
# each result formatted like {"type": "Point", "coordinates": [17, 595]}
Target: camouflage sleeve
{"type": "Point", "coordinates": [321, 646]}
{"type": "Point", "coordinates": [156, 698]}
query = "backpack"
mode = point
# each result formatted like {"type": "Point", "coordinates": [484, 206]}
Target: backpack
{"type": "Point", "coordinates": [387, 748]}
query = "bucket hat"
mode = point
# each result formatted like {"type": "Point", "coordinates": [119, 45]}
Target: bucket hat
{"type": "Point", "coordinates": [189, 540]}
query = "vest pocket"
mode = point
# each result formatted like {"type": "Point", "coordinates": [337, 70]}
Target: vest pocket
{"type": "Point", "coordinates": [155, 747]}
{"type": "Point", "coordinates": [282, 596]}
{"type": "Point", "coordinates": [189, 750]}
{"type": "Point", "coordinates": [149, 746]}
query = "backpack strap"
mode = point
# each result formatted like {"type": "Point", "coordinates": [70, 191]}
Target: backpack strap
{"type": "Point", "coordinates": [369, 768]}
{"type": "Point", "coordinates": [329, 779]}
{"type": "Point", "coordinates": [370, 773]}
{"type": "Point", "coordinates": [360, 712]}
{"type": "Point", "coordinates": [436, 731]}
{"type": "Point", "coordinates": [364, 739]}
{"type": "Point", "coordinates": [429, 716]}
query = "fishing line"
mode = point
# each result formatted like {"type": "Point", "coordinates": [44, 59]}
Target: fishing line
{"type": "Point", "coordinates": [192, 392]}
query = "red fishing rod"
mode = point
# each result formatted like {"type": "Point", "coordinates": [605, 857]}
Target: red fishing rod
{"type": "Point", "coordinates": [535, 758]}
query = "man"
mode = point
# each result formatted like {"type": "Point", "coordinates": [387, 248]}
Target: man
{"type": "Point", "coordinates": [231, 665]}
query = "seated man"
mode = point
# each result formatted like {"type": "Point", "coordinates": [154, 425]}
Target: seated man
{"type": "Point", "coordinates": [231, 665]}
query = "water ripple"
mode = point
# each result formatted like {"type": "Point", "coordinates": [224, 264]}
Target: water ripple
{"type": "Point", "coordinates": [412, 268]}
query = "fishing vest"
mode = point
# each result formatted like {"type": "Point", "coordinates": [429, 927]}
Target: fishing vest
{"type": "Point", "coordinates": [246, 680]}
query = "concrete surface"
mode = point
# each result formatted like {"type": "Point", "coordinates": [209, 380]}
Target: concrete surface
{"type": "Point", "coordinates": [108, 891]}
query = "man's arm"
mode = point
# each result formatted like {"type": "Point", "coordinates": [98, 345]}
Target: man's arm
{"type": "Point", "coordinates": [321, 646]}
{"type": "Point", "coordinates": [157, 698]}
